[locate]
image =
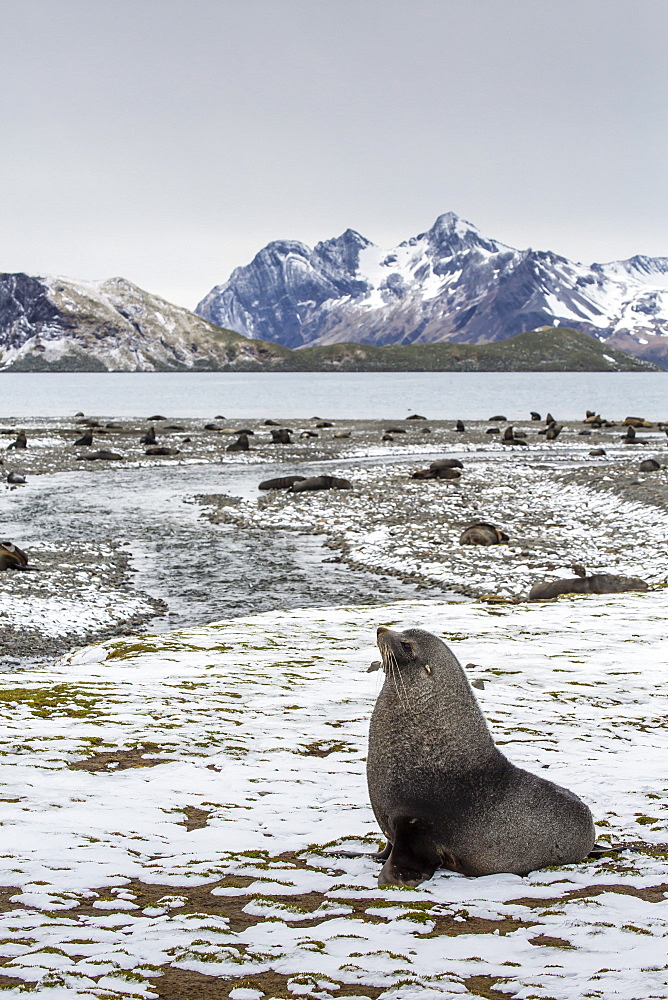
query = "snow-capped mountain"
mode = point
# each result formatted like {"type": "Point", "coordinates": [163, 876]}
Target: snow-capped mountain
{"type": "Point", "coordinates": [59, 325]}
{"type": "Point", "coordinates": [449, 283]}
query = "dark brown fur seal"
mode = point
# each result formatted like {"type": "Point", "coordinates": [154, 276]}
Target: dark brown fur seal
{"type": "Point", "coordinates": [149, 437]}
{"type": "Point", "coordinates": [14, 479]}
{"type": "Point", "coordinates": [314, 483]}
{"type": "Point", "coordinates": [281, 483]}
{"type": "Point", "coordinates": [85, 441]}
{"type": "Point", "coordinates": [281, 436]}
{"type": "Point", "coordinates": [20, 443]}
{"type": "Point", "coordinates": [597, 583]}
{"type": "Point", "coordinates": [459, 426]}
{"type": "Point", "coordinates": [241, 444]}
{"type": "Point", "coordinates": [102, 456]}
{"type": "Point", "coordinates": [162, 451]}
{"type": "Point", "coordinates": [443, 794]}
{"type": "Point", "coordinates": [446, 463]}
{"type": "Point", "coordinates": [482, 533]}
{"type": "Point", "coordinates": [12, 557]}
{"type": "Point", "coordinates": [440, 473]}
{"type": "Point", "coordinates": [649, 465]}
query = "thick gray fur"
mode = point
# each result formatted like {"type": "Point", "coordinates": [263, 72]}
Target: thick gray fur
{"type": "Point", "coordinates": [443, 794]}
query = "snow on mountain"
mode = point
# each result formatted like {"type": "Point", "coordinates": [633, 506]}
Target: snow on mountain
{"type": "Point", "coordinates": [448, 283]}
{"type": "Point", "coordinates": [60, 324]}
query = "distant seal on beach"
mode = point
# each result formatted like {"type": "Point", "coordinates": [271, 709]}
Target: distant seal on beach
{"type": "Point", "coordinates": [15, 479]}
{"type": "Point", "coordinates": [12, 557]}
{"type": "Point", "coordinates": [446, 463]}
{"type": "Point", "coordinates": [241, 444]}
{"type": "Point", "coordinates": [649, 465]}
{"type": "Point", "coordinates": [597, 583]}
{"type": "Point", "coordinates": [149, 437]}
{"type": "Point", "coordinates": [20, 443]}
{"type": "Point", "coordinates": [281, 483]}
{"type": "Point", "coordinates": [482, 533]}
{"type": "Point", "coordinates": [85, 441]}
{"type": "Point", "coordinates": [102, 455]}
{"type": "Point", "coordinates": [443, 794]}
{"type": "Point", "coordinates": [314, 483]}
{"type": "Point", "coordinates": [442, 472]}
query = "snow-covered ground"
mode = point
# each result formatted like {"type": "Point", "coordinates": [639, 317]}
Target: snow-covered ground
{"type": "Point", "coordinates": [411, 528]}
{"type": "Point", "coordinates": [210, 861]}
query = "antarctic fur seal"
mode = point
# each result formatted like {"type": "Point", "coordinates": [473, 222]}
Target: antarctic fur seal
{"type": "Point", "coordinates": [103, 455]}
{"type": "Point", "coordinates": [438, 473]}
{"type": "Point", "coordinates": [597, 583]}
{"type": "Point", "coordinates": [446, 463]}
{"type": "Point", "coordinates": [314, 483]}
{"type": "Point", "coordinates": [281, 483]}
{"type": "Point", "coordinates": [20, 443]}
{"type": "Point", "coordinates": [12, 557]}
{"type": "Point", "coordinates": [443, 794]}
{"type": "Point", "coordinates": [482, 533]}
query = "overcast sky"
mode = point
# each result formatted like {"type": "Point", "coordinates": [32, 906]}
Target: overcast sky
{"type": "Point", "coordinates": [168, 140]}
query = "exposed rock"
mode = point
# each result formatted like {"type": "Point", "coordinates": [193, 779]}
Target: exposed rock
{"type": "Point", "coordinates": [448, 283]}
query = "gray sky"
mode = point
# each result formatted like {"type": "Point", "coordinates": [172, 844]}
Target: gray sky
{"type": "Point", "coordinates": [168, 140]}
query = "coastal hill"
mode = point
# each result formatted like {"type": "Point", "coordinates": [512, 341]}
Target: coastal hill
{"type": "Point", "coordinates": [54, 324]}
{"type": "Point", "coordinates": [450, 283]}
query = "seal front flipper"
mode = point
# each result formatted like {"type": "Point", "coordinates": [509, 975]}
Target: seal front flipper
{"type": "Point", "coordinates": [413, 858]}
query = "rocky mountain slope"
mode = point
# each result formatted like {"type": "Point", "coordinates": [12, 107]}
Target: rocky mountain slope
{"type": "Point", "coordinates": [450, 283]}
{"type": "Point", "coordinates": [54, 324]}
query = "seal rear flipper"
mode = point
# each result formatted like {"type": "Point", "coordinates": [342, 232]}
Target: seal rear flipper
{"type": "Point", "coordinates": [413, 858]}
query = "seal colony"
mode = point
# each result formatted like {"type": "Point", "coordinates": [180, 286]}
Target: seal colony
{"type": "Point", "coordinates": [443, 794]}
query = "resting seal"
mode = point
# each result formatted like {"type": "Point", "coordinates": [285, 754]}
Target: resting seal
{"type": "Point", "coordinates": [281, 483]}
{"type": "Point", "coordinates": [443, 794]}
{"type": "Point", "coordinates": [597, 583]}
{"type": "Point", "coordinates": [314, 483]}
{"type": "Point", "coordinates": [12, 557]}
{"type": "Point", "coordinates": [482, 533]}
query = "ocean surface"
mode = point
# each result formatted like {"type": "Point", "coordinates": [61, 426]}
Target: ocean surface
{"type": "Point", "coordinates": [363, 395]}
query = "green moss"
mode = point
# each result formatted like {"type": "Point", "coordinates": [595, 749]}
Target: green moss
{"type": "Point", "coordinates": [74, 700]}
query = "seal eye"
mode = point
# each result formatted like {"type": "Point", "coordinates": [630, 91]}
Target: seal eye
{"type": "Point", "coordinates": [407, 647]}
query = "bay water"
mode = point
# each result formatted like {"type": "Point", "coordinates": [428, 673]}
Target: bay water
{"type": "Point", "coordinates": [355, 395]}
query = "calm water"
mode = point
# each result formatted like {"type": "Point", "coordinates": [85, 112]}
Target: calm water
{"type": "Point", "coordinates": [437, 395]}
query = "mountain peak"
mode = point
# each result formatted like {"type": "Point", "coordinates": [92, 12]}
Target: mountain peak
{"type": "Point", "coordinates": [451, 234]}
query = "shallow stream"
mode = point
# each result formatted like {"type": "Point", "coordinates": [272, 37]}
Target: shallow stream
{"type": "Point", "coordinates": [202, 571]}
